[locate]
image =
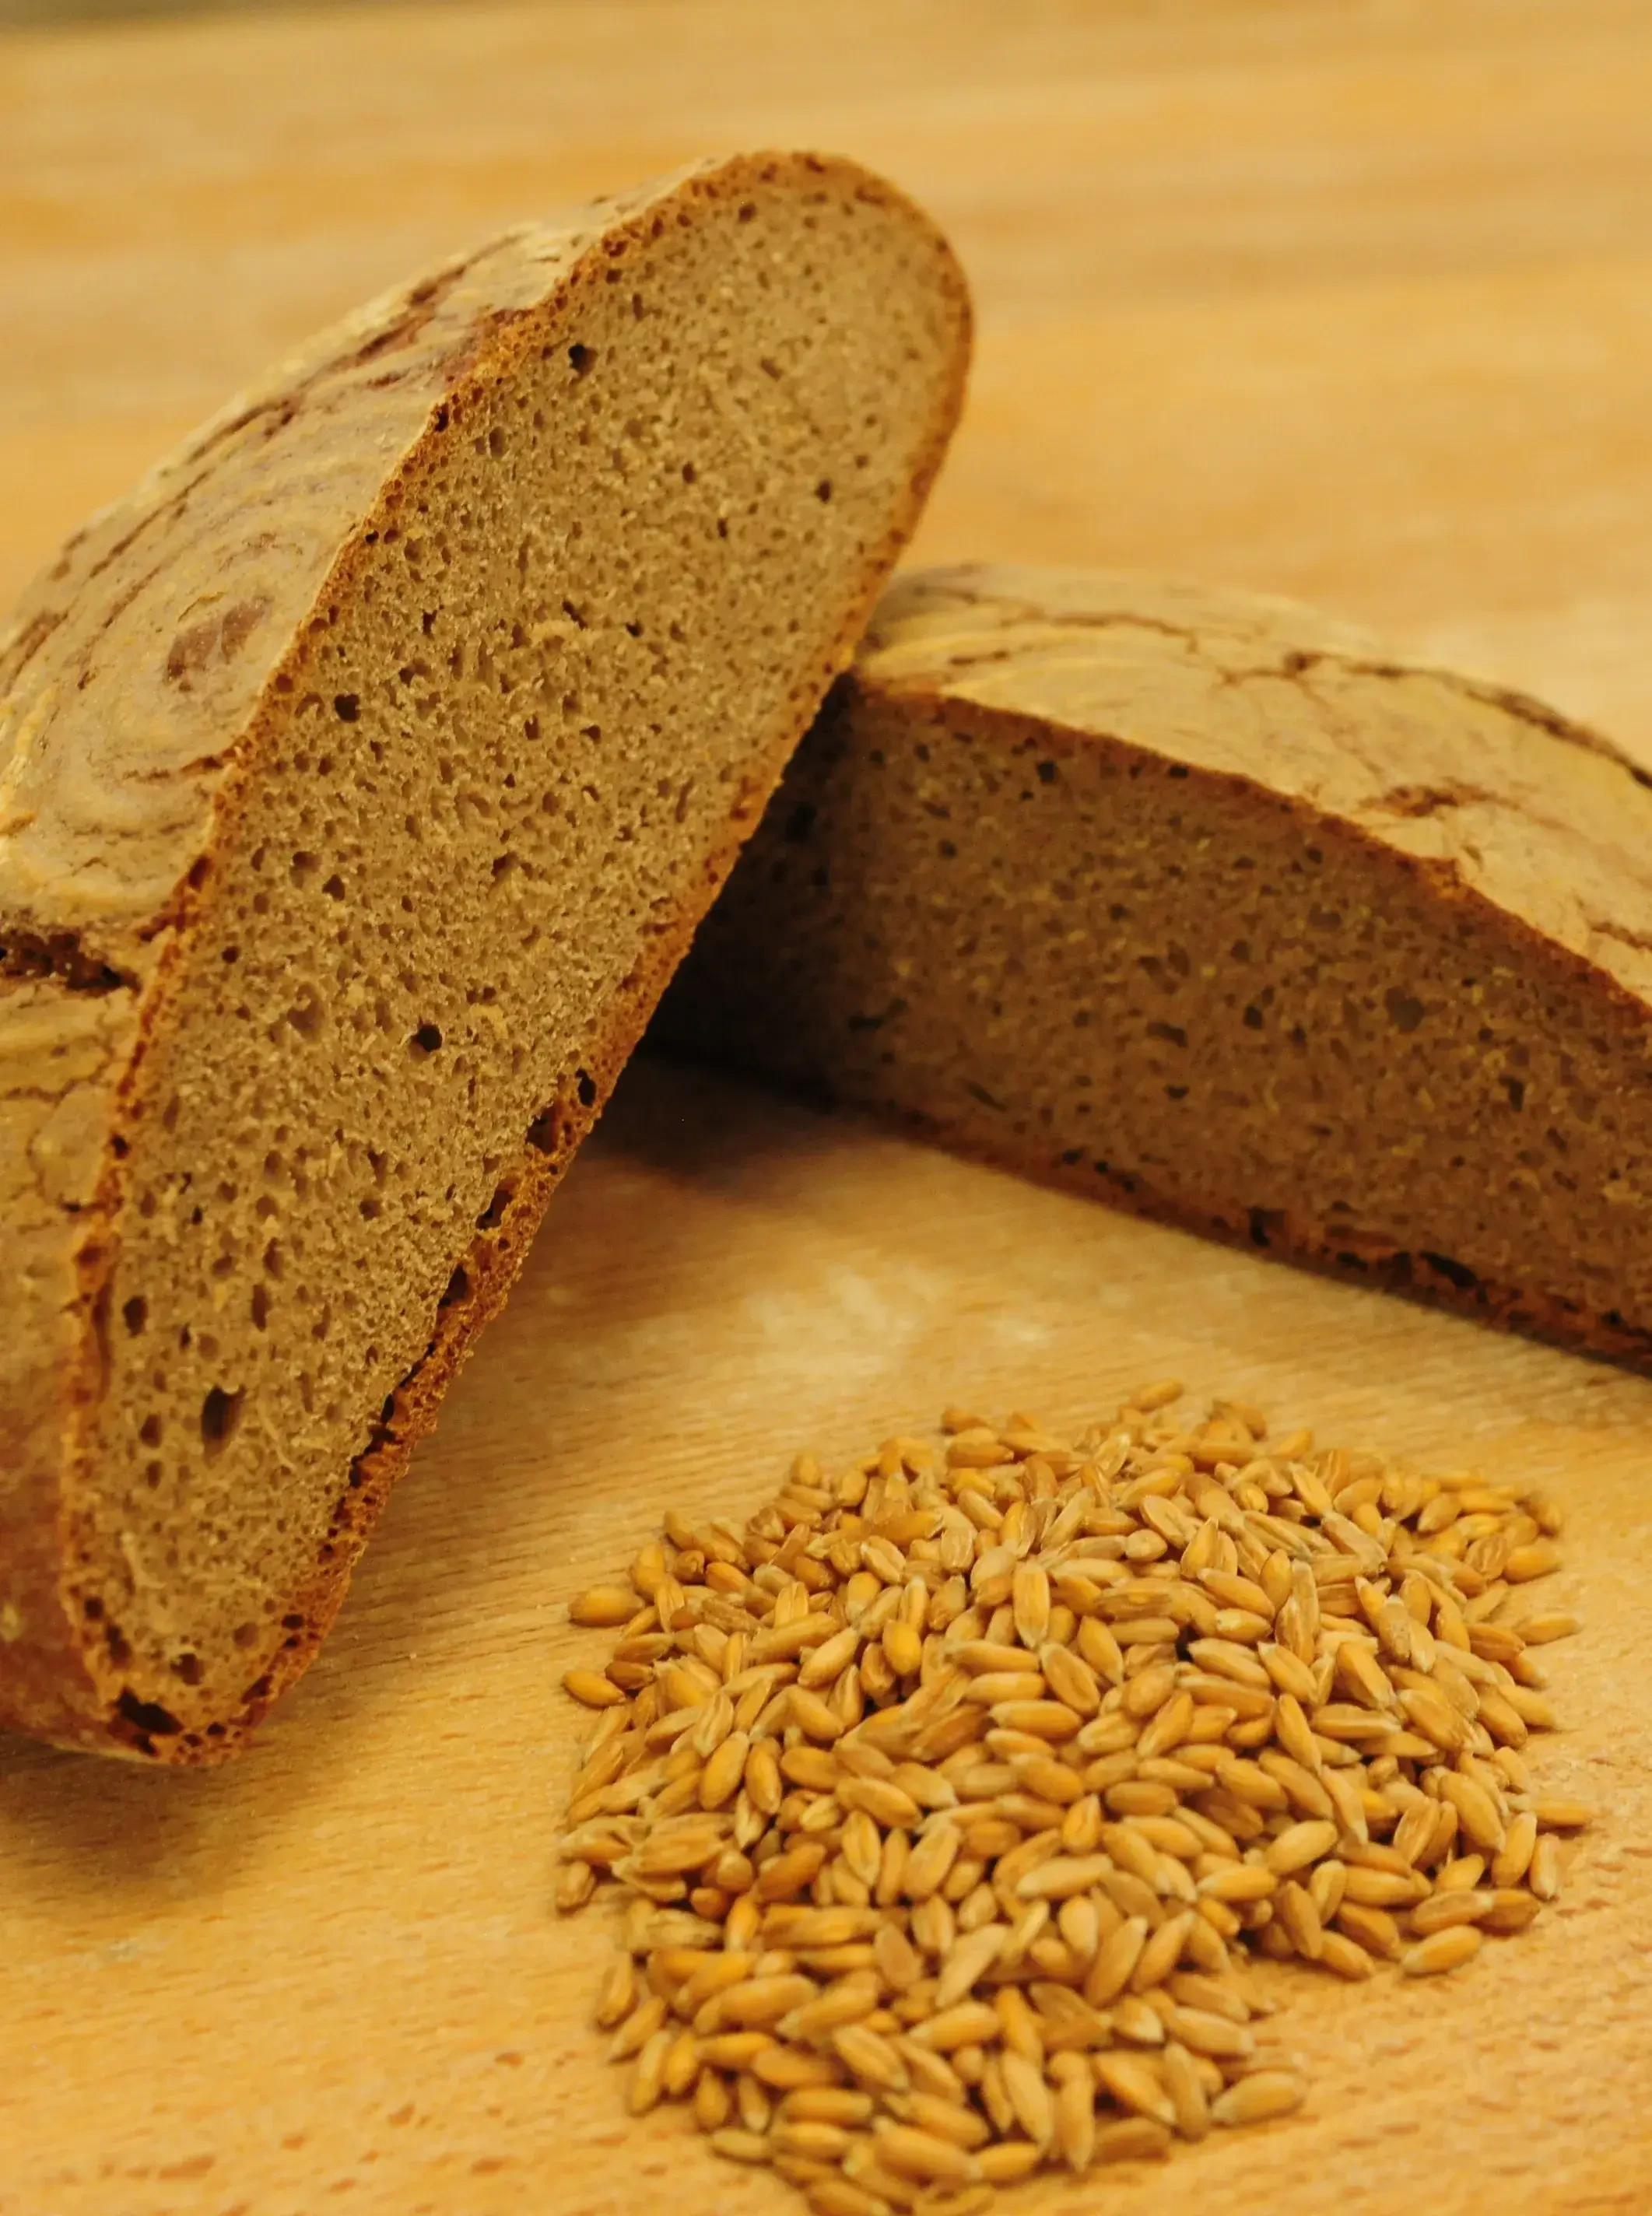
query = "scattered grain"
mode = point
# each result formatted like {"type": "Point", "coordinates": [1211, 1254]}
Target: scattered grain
{"type": "Point", "coordinates": [951, 1793]}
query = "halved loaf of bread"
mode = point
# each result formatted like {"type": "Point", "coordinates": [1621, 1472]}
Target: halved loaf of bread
{"type": "Point", "coordinates": [1213, 908]}
{"type": "Point", "coordinates": [362, 777]}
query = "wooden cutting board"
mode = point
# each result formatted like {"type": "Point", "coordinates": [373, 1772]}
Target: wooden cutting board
{"type": "Point", "coordinates": [1355, 302]}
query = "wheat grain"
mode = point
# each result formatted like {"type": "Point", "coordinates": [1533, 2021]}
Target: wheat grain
{"type": "Point", "coordinates": [1512, 1909]}
{"type": "Point", "coordinates": [1186, 2088]}
{"type": "Point", "coordinates": [1543, 1873]}
{"type": "Point", "coordinates": [1135, 2085]}
{"type": "Point", "coordinates": [1258, 2098]}
{"type": "Point", "coordinates": [793, 2069]}
{"type": "Point", "coordinates": [1133, 2139]}
{"type": "Point", "coordinates": [1538, 1630]}
{"type": "Point", "coordinates": [603, 1607]}
{"type": "Point", "coordinates": [922, 2155]}
{"type": "Point", "coordinates": [949, 1792]}
{"type": "Point", "coordinates": [1442, 1911]}
{"type": "Point", "coordinates": [1442, 1950]}
{"type": "Point", "coordinates": [1554, 1814]}
{"type": "Point", "coordinates": [592, 1690]}
{"type": "Point", "coordinates": [1345, 1956]}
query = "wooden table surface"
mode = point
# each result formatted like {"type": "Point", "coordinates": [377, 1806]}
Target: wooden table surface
{"type": "Point", "coordinates": [1352, 301]}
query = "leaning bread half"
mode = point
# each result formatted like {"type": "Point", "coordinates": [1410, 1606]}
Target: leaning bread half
{"type": "Point", "coordinates": [362, 777]}
{"type": "Point", "coordinates": [1213, 908]}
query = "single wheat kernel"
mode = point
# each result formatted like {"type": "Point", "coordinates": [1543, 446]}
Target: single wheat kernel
{"type": "Point", "coordinates": [592, 1690]}
{"type": "Point", "coordinates": [1441, 1910]}
{"type": "Point", "coordinates": [1133, 2139]}
{"type": "Point", "coordinates": [1007, 2161]}
{"type": "Point", "coordinates": [647, 2082]}
{"type": "Point", "coordinates": [740, 2145]}
{"type": "Point", "coordinates": [1441, 1950]}
{"type": "Point", "coordinates": [1135, 2085]}
{"type": "Point", "coordinates": [924, 2156]}
{"type": "Point", "coordinates": [1345, 1956]}
{"type": "Point", "coordinates": [1538, 1630]}
{"type": "Point", "coordinates": [603, 1607]}
{"type": "Point", "coordinates": [1561, 1815]}
{"type": "Point", "coordinates": [1543, 1873]}
{"type": "Point", "coordinates": [1256, 2098]}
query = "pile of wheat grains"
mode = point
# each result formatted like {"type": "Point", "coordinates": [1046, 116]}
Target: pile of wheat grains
{"type": "Point", "coordinates": [954, 1795]}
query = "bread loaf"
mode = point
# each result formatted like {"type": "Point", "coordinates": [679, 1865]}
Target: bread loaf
{"type": "Point", "coordinates": [362, 777]}
{"type": "Point", "coordinates": [1213, 908]}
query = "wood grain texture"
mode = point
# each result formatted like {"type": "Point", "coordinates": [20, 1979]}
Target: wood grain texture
{"type": "Point", "coordinates": [1354, 302]}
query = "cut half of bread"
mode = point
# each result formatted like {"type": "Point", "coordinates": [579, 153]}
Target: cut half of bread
{"type": "Point", "coordinates": [362, 777]}
{"type": "Point", "coordinates": [1214, 908]}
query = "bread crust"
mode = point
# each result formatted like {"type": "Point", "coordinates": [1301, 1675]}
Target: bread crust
{"type": "Point", "coordinates": [139, 681]}
{"type": "Point", "coordinates": [1035, 643]}
{"type": "Point", "coordinates": [1542, 839]}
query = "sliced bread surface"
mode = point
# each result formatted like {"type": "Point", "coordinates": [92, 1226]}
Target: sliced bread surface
{"type": "Point", "coordinates": [1211, 907]}
{"type": "Point", "coordinates": [362, 777]}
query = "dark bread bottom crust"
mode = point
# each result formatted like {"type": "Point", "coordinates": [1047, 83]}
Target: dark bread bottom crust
{"type": "Point", "coordinates": [1419, 1275]}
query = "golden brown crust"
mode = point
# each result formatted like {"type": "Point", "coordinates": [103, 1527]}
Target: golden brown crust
{"type": "Point", "coordinates": [110, 937]}
{"type": "Point", "coordinates": [1555, 834]}
{"type": "Point", "coordinates": [57, 1048]}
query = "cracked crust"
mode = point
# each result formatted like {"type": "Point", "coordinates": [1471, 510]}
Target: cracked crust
{"type": "Point", "coordinates": [1046, 800]}
{"type": "Point", "coordinates": [1556, 842]}
{"type": "Point", "coordinates": [141, 687]}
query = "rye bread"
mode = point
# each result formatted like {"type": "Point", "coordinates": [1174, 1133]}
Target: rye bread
{"type": "Point", "coordinates": [362, 777]}
{"type": "Point", "coordinates": [1214, 908]}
